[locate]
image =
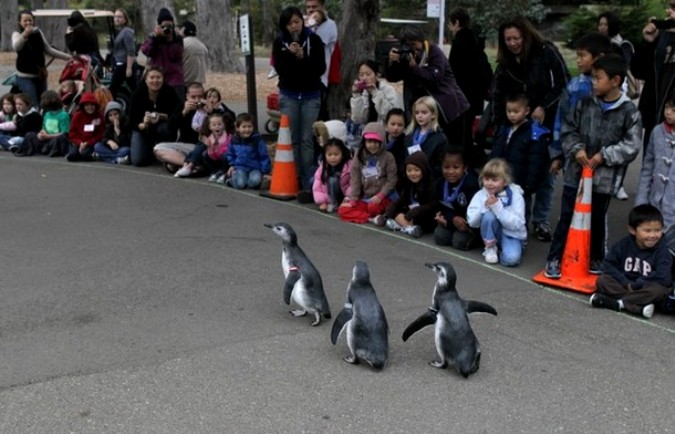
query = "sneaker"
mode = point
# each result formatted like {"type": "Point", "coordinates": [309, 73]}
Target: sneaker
{"type": "Point", "coordinates": [596, 266]}
{"type": "Point", "coordinates": [648, 311]}
{"type": "Point", "coordinates": [491, 256]}
{"type": "Point", "coordinates": [14, 148]}
{"type": "Point", "coordinates": [183, 172]}
{"type": "Point", "coordinates": [221, 179]}
{"type": "Point", "coordinates": [601, 300]}
{"type": "Point", "coordinates": [392, 225]}
{"type": "Point", "coordinates": [123, 160]}
{"type": "Point", "coordinates": [213, 177]}
{"type": "Point", "coordinates": [228, 182]}
{"type": "Point", "coordinates": [378, 220]}
{"type": "Point", "coordinates": [621, 194]}
{"type": "Point", "coordinates": [331, 207]}
{"type": "Point", "coordinates": [543, 233]}
{"type": "Point", "coordinates": [552, 270]}
{"type": "Point", "coordinates": [273, 73]}
{"type": "Point", "coordinates": [414, 231]}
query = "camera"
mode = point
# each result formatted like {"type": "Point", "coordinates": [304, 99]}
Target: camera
{"type": "Point", "coordinates": [201, 104]}
{"type": "Point", "coordinates": [405, 52]}
{"type": "Point", "coordinates": [664, 24]}
{"type": "Point", "coordinates": [361, 85]}
{"type": "Point", "coordinates": [167, 30]}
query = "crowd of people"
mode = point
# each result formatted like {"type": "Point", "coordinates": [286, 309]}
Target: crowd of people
{"type": "Point", "coordinates": [409, 163]}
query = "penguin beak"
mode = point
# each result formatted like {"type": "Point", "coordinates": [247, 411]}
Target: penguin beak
{"type": "Point", "coordinates": [267, 225]}
{"type": "Point", "coordinates": [428, 265]}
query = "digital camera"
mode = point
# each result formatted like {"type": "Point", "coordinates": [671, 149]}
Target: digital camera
{"type": "Point", "coordinates": [167, 30]}
{"type": "Point", "coordinates": [405, 52]}
{"type": "Point", "coordinates": [361, 85]}
{"type": "Point", "coordinates": [663, 24]}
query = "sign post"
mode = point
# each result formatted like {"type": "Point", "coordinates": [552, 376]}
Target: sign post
{"type": "Point", "coordinates": [436, 9]}
{"type": "Point", "coordinates": [246, 40]}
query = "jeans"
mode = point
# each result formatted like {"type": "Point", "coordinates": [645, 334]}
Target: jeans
{"type": "Point", "coordinates": [7, 141]}
{"type": "Point", "coordinates": [108, 155]}
{"type": "Point", "coordinates": [142, 143]}
{"type": "Point", "coordinates": [74, 153]}
{"type": "Point", "coordinates": [119, 76]}
{"type": "Point", "coordinates": [450, 236]}
{"type": "Point", "coordinates": [543, 203]}
{"type": "Point", "coordinates": [334, 190]}
{"type": "Point", "coordinates": [302, 113]}
{"type": "Point", "coordinates": [33, 87]}
{"type": "Point", "coordinates": [511, 248]}
{"type": "Point", "coordinates": [242, 179]}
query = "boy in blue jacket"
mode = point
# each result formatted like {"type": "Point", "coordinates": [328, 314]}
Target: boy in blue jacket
{"type": "Point", "coordinates": [636, 273]}
{"type": "Point", "coordinates": [247, 154]}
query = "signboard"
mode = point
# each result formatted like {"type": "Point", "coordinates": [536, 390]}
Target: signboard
{"type": "Point", "coordinates": [434, 8]}
{"type": "Point", "coordinates": [244, 34]}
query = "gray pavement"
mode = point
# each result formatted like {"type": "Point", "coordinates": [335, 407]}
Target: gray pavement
{"type": "Point", "coordinates": [136, 302]}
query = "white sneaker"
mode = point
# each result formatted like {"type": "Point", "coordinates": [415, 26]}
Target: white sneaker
{"type": "Point", "coordinates": [648, 311]}
{"type": "Point", "coordinates": [273, 73]}
{"type": "Point", "coordinates": [490, 254]}
{"type": "Point", "coordinates": [414, 231]}
{"type": "Point", "coordinates": [123, 160]}
{"type": "Point", "coordinates": [213, 177]}
{"type": "Point", "coordinates": [621, 194]}
{"type": "Point", "coordinates": [221, 179]}
{"type": "Point", "coordinates": [392, 225]}
{"type": "Point", "coordinates": [183, 172]}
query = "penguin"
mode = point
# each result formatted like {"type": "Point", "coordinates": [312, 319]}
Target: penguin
{"type": "Point", "coordinates": [303, 282]}
{"type": "Point", "coordinates": [455, 341]}
{"type": "Point", "coordinates": [367, 331]}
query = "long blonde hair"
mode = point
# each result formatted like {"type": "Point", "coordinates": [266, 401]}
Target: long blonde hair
{"type": "Point", "coordinates": [430, 104]}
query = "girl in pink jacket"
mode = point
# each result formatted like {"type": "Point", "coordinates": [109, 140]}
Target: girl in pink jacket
{"type": "Point", "coordinates": [331, 180]}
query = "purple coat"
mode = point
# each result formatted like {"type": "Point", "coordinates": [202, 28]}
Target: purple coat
{"type": "Point", "coordinates": [167, 55]}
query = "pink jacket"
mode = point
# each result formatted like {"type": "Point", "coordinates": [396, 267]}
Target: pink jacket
{"type": "Point", "coordinates": [320, 189]}
{"type": "Point", "coordinates": [216, 148]}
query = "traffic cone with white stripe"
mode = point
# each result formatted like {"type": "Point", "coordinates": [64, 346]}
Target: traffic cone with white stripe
{"type": "Point", "coordinates": [576, 258]}
{"type": "Point", "coordinates": [284, 185]}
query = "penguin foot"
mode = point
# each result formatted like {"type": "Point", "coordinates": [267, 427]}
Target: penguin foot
{"type": "Point", "coordinates": [440, 364]}
{"type": "Point", "coordinates": [317, 318]}
{"type": "Point", "coordinates": [351, 359]}
{"type": "Point", "coordinates": [298, 312]}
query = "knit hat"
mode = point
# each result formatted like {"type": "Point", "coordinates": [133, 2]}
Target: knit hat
{"type": "Point", "coordinates": [420, 160]}
{"type": "Point", "coordinates": [164, 15]}
{"type": "Point", "coordinates": [374, 131]}
{"type": "Point", "coordinates": [113, 105]}
{"type": "Point", "coordinates": [189, 28]}
{"type": "Point", "coordinates": [88, 98]}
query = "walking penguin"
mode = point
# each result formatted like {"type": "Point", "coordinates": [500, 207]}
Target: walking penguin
{"type": "Point", "coordinates": [303, 282]}
{"type": "Point", "coordinates": [364, 320]}
{"type": "Point", "coordinates": [455, 341]}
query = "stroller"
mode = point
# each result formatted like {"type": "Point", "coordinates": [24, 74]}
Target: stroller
{"type": "Point", "coordinates": [80, 70]}
{"type": "Point", "coordinates": [272, 124]}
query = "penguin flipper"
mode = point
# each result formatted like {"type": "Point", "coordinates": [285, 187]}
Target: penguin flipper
{"type": "Point", "coordinates": [341, 320]}
{"type": "Point", "coordinates": [291, 279]}
{"type": "Point", "coordinates": [426, 319]}
{"type": "Point", "coordinates": [478, 306]}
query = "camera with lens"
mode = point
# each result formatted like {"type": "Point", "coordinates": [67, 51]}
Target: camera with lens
{"type": "Point", "coordinates": [167, 30]}
{"type": "Point", "coordinates": [201, 104]}
{"type": "Point", "coordinates": [405, 52]}
{"type": "Point", "coordinates": [663, 24]}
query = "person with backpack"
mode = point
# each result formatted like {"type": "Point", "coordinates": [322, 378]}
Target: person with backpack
{"type": "Point", "coordinates": [527, 63]}
{"type": "Point", "coordinates": [472, 71]}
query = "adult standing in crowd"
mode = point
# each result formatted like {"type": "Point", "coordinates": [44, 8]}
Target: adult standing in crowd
{"type": "Point", "coordinates": [82, 39]}
{"type": "Point", "coordinates": [164, 48]}
{"type": "Point", "coordinates": [152, 106]}
{"type": "Point", "coordinates": [527, 63]}
{"type": "Point", "coordinates": [299, 59]}
{"type": "Point", "coordinates": [30, 45]}
{"type": "Point", "coordinates": [124, 53]}
{"type": "Point", "coordinates": [425, 71]}
{"type": "Point", "coordinates": [654, 62]}
{"type": "Point", "coordinates": [328, 32]}
{"type": "Point", "coordinates": [194, 54]}
{"type": "Point", "coordinates": [472, 71]}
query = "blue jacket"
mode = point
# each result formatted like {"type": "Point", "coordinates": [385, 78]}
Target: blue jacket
{"type": "Point", "coordinates": [249, 153]}
{"type": "Point", "coordinates": [579, 87]}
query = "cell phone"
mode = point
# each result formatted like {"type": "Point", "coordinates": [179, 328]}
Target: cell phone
{"type": "Point", "coordinates": [664, 24]}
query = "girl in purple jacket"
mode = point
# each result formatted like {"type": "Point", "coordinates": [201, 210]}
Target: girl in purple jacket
{"type": "Point", "coordinates": [331, 180]}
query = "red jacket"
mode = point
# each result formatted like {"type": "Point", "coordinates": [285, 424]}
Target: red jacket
{"type": "Point", "coordinates": [86, 128]}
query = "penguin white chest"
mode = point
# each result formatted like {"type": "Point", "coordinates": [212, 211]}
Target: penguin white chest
{"type": "Point", "coordinates": [285, 263]}
{"type": "Point", "coordinates": [438, 338]}
{"type": "Point", "coordinates": [299, 294]}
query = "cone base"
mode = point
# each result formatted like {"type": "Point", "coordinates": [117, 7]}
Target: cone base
{"type": "Point", "coordinates": [277, 196]}
{"type": "Point", "coordinates": [585, 284]}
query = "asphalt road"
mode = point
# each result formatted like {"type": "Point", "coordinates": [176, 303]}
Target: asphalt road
{"type": "Point", "coordinates": [135, 302]}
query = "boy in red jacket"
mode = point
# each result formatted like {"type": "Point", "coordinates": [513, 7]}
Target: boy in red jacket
{"type": "Point", "coordinates": [86, 129]}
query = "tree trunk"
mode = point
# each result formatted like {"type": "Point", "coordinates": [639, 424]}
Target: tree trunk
{"type": "Point", "coordinates": [357, 42]}
{"type": "Point", "coordinates": [54, 29]}
{"type": "Point", "coordinates": [270, 18]}
{"type": "Point", "coordinates": [8, 20]}
{"type": "Point", "coordinates": [149, 11]}
{"type": "Point", "coordinates": [217, 29]}
{"type": "Point", "coordinates": [38, 4]}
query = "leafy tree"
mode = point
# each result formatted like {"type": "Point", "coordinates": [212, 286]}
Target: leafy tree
{"type": "Point", "coordinates": [489, 14]}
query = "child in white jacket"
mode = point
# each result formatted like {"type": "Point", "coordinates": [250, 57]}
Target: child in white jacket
{"type": "Point", "coordinates": [498, 209]}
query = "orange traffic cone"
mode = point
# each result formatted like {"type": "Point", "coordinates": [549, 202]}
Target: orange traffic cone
{"type": "Point", "coordinates": [284, 185]}
{"type": "Point", "coordinates": [577, 255]}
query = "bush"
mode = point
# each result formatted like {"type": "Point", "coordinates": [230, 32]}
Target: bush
{"type": "Point", "coordinates": [585, 20]}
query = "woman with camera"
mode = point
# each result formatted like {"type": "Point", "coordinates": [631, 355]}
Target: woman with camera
{"type": "Point", "coordinates": [372, 97]}
{"type": "Point", "coordinates": [425, 71]}
{"type": "Point", "coordinates": [164, 48]}
{"type": "Point", "coordinates": [152, 105]}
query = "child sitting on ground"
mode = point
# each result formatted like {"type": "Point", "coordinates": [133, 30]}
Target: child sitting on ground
{"type": "Point", "coordinates": [7, 125]}
{"type": "Point", "coordinates": [86, 129]}
{"type": "Point", "coordinates": [657, 177]}
{"type": "Point", "coordinates": [212, 104]}
{"type": "Point", "coordinates": [114, 148]}
{"type": "Point", "coordinates": [27, 120]}
{"type": "Point", "coordinates": [372, 179]}
{"type": "Point", "coordinates": [52, 139]}
{"type": "Point", "coordinates": [636, 273]}
{"type": "Point", "coordinates": [498, 209]}
{"type": "Point", "coordinates": [331, 180]}
{"type": "Point", "coordinates": [413, 212]}
{"type": "Point", "coordinates": [454, 193]}
{"type": "Point", "coordinates": [247, 155]}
